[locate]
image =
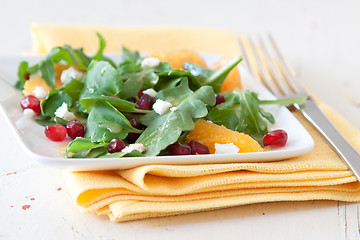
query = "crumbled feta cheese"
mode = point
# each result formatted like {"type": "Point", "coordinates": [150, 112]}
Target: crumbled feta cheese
{"type": "Point", "coordinates": [150, 62]}
{"type": "Point", "coordinates": [136, 146]}
{"type": "Point", "coordinates": [71, 72]}
{"type": "Point", "coordinates": [161, 106]}
{"type": "Point", "coordinates": [173, 109]}
{"type": "Point", "coordinates": [40, 92]}
{"type": "Point", "coordinates": [151, 92]}
{"type": "Point", "coordinates": [226, 148]}
{"type": "Point", "coordinates": [62, 112]}
{"type": "Point", "coordinates": [28, 113]}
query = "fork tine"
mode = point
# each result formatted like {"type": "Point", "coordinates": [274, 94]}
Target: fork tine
{"type": "Point", "coordinates": [275, 72]}
{"type": "Point", "coordinates": [263, 72]}
{"type": "Point", "coordinates": [285, 67]}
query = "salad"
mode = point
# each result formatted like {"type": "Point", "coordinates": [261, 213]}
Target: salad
{"type": "Point", "coordinates": [142, 106]}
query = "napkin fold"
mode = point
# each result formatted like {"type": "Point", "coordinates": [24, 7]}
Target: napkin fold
{"type": "Point", "coordinates": [162, 190]}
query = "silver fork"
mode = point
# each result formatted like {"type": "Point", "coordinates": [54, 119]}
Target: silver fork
{"type": "Point", "coordinates": [278, 77]}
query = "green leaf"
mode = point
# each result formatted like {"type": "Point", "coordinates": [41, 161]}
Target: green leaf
{"type": "Point", "coordinates": [130, 56]}
{"type": "Point", "coordinates": [210, 77]}
{"type": "Point", "coordinates": [54, 100]}
{"type": "Point", "coordinates": [166, 129]}
{"type": "Point", "coordinates": [47, 71]}
{"type": "Point", "coordinates": [105, 122]}
{"type": "Point", "coordinates": [72, 88]}
{"type": "Point", "coordinates": [242, 112]}
{"type": "Point", "coordinates": [102, 44]}
{"type": "Point", "coordinates": [82, 147]}
{"type": "Point", "coordinates": [122, 105]}
{"type": "Point", "coordinates": [137, 81]}
{"type": "Point", "coordinates": [103, 78]}
{"type": "Point", "coordinates": [133, 153]}
{"type": "Point", "coordinates": [22, 71]}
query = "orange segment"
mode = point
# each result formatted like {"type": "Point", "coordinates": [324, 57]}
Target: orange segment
{"type": "Point", "coordinates": [209, 133]}
{"type": "Point", "coordinates": [233, 80]}
{"type": "Point", "coordinates": [177, 58]}
{"type": "Point", "coordinates": [37, 80]}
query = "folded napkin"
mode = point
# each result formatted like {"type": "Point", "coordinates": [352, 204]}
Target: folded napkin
{"type": "Point", "coordinates": [162, 190]}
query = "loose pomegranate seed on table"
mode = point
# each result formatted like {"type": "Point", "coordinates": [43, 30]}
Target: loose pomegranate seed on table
{"type": "Point", "coordinates": [275, 138]}
{"type": "Point", "coordinates": [219, 99]}
{"type": "Point", "coordinates": [116, 145]}
{"type": "Point", "coordinates": [198, 148]}
{"type": "Point", "coordinates": [145, 102]}
{"type": "Point", "coordinates": [55, 132]}
{"type": "Point", "coordinates": [31, 102]}
{"type": "Point", "coordinates": [179, 149]}
{"type": "Point", "coordinates": [75, 129]}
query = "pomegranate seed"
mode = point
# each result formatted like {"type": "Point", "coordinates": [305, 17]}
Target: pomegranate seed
{"type": "Point", "coordinates": [275, 138]}
{"type": "Point", "coordinates": [55, 132]}
{"type": "Point", "coordinates": [31, 102]}
{"type": "Point", "coordinates": [116, 145]}
{"type": "Point", "coordinates": [219, 99]}
{"type": "Point", "coordinates": [27, 76]}
{"type": "Point", "coordinates": [132, 137]}
{"type": "Point", "coordinates": [179, 149]}
{"type": "Point", "coordinates": [145, 102]}
{"type": "Point", "coordinates": [75, 129]}
{"type": "Point", "coordinates": [140, 93]}
{"type": "Point", "coordinates": [198, 148]}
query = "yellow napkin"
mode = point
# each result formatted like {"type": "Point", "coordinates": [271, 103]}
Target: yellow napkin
{"type": "Point", "coordinates": [162, 190]}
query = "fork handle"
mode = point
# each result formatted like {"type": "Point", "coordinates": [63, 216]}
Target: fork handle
{"type": "Point", "coordinates": [313, 113]}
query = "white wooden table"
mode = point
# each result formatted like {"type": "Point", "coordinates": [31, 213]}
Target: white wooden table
{"type": "Point", "coordinates": [322, 41]}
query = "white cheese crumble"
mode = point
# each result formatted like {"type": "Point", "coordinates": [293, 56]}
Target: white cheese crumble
{"type": "Point", "coordinates": [151, 92]}
{"type": "Point", "coordinates": [150, 62]}
{"type": "Point", "coordinates": [136, 146]}
{"type": "Point", "coordinates": [40, 92]}
{"type": "Point", "coordinates": [28, 113]}
{"type": "Point", "coordinates": [63, 112]}
{"type": "Point", "coordinates": [71, 72]}
{"type": "Point", "coordinates": [161, 106]}
{"type": "Point", "coordinates": [226, 148]}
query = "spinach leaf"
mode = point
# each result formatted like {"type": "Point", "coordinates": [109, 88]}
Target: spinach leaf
{"type": "Point", "coordinates": [165, 129]}
{"type": "Point", "coordinates": [82, 147]}
{"type": "Point", "coordinates": [105, 122]}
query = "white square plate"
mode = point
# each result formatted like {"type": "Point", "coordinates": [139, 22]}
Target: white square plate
{"type": "Point", "coordinates": [32, 137]}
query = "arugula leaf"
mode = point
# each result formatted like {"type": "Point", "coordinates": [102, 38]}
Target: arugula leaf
{"type": "Point", "coordinates": [72, 88]}
{"type": "Point", "coordinates": [210, 77]}
{"type": "Point", "coordinates": [242, 112]}
{"type": "Point", "coordinates": [82, 147]}
{"type": "Point", "coordinates": [133, 153]}
{"type": "Point", "coordinates": [130, 56]}
{"type": "Point", "coordinates": [165, 129]}
{"type": "Point", "coordinates": [137, 81]}
{"type": "Point", "coordinates": [47, 70]}
{"type": "Point", "coordinates": [102, 78]}
{"type": "Point", "coordinates": [53, 101]}
{"type": "Point", "coordinates": [102, 44]}
{"type": "Point", "coordinates": [122, 105]}
{"type": "Point", "coordinates": [105, 122]}
{"type": "Point", "coordinates": [22, 71]}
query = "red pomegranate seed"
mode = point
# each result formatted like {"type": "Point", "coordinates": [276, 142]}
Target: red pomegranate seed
{"type": "Point", "coordinates": [31, 102]}
{"type": "Point", "coordinates": [198, 148]}
{"type": "Point", "coordinates": [55, 132]}
{"type": "Point", "coordinates": [140, 93]}
{"type": "Point", "coordinates": [145, 102]}
{"type": "Point", "coordinates": [132, 137]}
{"type": "Point", "coordinates": [219, 99]}
{"type": "Point", "coordinates": [275, 138]}
{"type": "Point", "coordinates": [179, 149]}
{"type": "Point", "coordinates": [75, 129]}
{"type": "Point", "coordinates": [116, 145]}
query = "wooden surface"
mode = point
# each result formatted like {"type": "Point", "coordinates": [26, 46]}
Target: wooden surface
{"type": "Point", "coordinates": [320, 39]}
